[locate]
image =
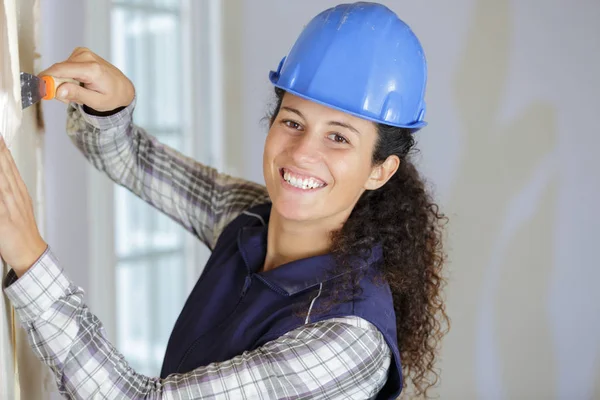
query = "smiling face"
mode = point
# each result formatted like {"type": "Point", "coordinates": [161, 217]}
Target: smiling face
{"type": "Point", "coordinates": [317, 161]}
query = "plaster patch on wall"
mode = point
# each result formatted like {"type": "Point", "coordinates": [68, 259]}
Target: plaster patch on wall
{"type": "Point", "coordinates": [10, 93]}
{"type": "Point", "coordinates": [10, 121]}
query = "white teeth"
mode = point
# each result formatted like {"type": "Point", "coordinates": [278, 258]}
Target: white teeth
{"type": "Point", "coordinates": [308, 183]}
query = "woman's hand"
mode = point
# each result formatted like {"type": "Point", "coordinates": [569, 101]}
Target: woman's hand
{"type": "Point", "coordinates": [20, 241]}
{"type": "Point", "coordinates": [105, 87]}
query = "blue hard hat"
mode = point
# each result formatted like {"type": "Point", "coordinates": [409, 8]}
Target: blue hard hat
{"type": "Point", "coordinates": [362, 59]}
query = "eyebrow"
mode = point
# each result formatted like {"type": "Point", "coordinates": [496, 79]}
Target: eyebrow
{"type": "Point", "coordinates": [333, 123]}
{"type": "Point", "coordinates": [293, 110]}
{"type": "Point", "coordinates": [344, 125]}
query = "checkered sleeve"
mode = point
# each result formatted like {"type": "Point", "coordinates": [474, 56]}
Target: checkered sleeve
{"type": "Point", "coordinates": [197, 196]}
{"type": "Point", "coordinates": [341, 358]}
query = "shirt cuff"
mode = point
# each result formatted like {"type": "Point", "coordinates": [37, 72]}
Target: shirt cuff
{"type": "Point", "coordinates": [105, 122]}
{"type": "Point", "coordinates": [37, 289]}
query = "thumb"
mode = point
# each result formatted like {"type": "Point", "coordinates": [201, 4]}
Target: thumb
{"type": "Point", "coordinates": [70, 92]}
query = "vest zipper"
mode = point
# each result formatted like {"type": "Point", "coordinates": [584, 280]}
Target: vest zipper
{"type": "Point", "coordinates": [247, 283]}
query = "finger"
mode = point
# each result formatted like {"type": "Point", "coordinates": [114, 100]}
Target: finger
{"type": "Point", "coordinates": [69, 92]}
{"type": "Point", "coordinates": [77, 51]}
{"type": "Point", "coordinates": [21, 189]}
{"type": "Point", "coordinates": [8, 183]}
{"type": "Point", "coordinates": [85, 72]}
{"type": "Point", "coordinates": [10, 170]}
{"type": "Point", "coordinates": [21, 205]}
{"type": "Point", "coordinates": [83, 54]}
{"type": "Point", "coordinates": [79, 54]}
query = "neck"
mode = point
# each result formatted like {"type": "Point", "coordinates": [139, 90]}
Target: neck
{"type": "Point", "coordinates": [288, 241]}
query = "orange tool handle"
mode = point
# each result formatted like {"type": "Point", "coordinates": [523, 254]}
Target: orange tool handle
{"type": "Point", "coordinates": [52, 85]}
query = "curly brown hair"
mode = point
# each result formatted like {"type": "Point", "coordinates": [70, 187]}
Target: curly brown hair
{"type": "Point", "coordinates": [402, 218]}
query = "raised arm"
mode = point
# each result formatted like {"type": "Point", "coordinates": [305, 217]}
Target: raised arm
{"type": "Point", "coordinates": [197, 196]}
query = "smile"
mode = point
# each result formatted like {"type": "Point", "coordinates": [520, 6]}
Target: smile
{"type": "Point", "coordinates": [301, 182]}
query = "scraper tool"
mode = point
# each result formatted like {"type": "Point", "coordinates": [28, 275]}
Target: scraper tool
{"type": "Point", "coordinates": [34, 88]}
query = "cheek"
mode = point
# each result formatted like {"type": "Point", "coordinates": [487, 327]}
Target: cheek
{"type": "Point", "coordinates": [271, 139]}
{"type": "Point", "coordinates": [269, 147]}
{"type": "Point", "coordinates": [350, 172]}
{"type": "Point", "coordinates": [274, 146]}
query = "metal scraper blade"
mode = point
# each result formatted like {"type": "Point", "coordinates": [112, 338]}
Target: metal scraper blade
{"type": "Point", "coordinates": [33, 89]}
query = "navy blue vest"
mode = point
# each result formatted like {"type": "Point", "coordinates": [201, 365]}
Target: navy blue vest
{"type": "Point", "coordinates": [233, 308]}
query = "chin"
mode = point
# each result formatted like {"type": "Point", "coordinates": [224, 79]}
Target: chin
{"type": "Point", "coordinates": [294, 210]}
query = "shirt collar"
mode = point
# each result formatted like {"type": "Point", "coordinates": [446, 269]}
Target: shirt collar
{"type": "Point", "coordinates": [295, 276]}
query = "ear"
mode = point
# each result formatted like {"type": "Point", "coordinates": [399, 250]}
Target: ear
{"type": "Point", "coordinates": [382, 173]}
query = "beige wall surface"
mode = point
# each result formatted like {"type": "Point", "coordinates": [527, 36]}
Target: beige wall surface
{"type": "Point", "coordinates": [511, 153]}
{"type": "Point", "coordinates": [34, 379]}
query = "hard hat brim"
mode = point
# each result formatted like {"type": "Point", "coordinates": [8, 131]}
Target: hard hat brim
{"type": "Point", "coordinates": [415, 126]}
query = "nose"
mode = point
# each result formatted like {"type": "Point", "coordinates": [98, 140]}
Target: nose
{"type": "Point", "coordinates": [306, 149]}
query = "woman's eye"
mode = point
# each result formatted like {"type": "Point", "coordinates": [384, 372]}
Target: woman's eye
{"type": "Point", "coordinates": [338, 138]}
{"type": "Point", "coordinates": [291, 124]}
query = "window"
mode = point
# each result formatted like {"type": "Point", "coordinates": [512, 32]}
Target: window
{"type": "Point", "coordinates": [153, 262]}
{"type": "Point", "coordinates": [150, 249]}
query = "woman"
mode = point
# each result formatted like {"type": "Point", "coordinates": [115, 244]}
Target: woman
{"type": "Point", "coordinates": [323, 284]}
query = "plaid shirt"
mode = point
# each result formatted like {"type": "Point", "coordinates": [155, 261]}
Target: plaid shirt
{"type": "Point", "coordinates": [339, 358]}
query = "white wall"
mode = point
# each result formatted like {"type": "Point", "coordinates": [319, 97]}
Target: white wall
{"type": "Point", "coordinates": [511, 151]}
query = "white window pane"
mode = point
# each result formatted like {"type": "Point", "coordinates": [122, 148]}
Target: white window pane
{"type": "Point", "coordinates": [130, 53]}
{"type": "Point", "coordinates": [168, 3]}
{"type": "Point", "coordinates": [133, 223]}
{"type": "Point", "coordinates": [165, 33]}
{"type": "Point", "coordinates": [149, 245]}
{"type": "Point", "coordinates": [160, 3]}
{"type": "Point", "coordinates": [147, 307]}
{"type": "Point", "coordinates": [146, 47]}
{"type": "Point", "coordinates": [170, 299]}
{"type": "Point", "coordinates": [140, 228]}
{"type": "Point", "coordinates": [133, 314]}
{"type": "Point", "coordinates": [171, 139]}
